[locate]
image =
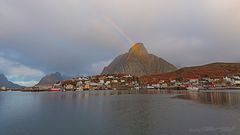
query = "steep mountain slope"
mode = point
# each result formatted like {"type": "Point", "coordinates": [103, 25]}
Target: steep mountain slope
{"type": "Point", "coordinates": [138, 62]}
{"type": "Point", "coordinates": [51, 79]}
{"type": "Point", "coordinates": [4, 82]}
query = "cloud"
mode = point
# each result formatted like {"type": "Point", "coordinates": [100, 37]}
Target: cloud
{"type": "Point", "coordinates": [15, 68]}
{"type": "Point", "coordinates": [26, 83]}
{"type": "Point", "coordinates": [69, 36]}
{"type": "Point", "coordinates": [96, 68]}
{"type": "Point", "coordinates": [16, 71]}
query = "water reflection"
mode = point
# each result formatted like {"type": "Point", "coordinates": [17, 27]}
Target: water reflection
{"type": "Point", "coordinates": [148, 113]}
{"type": "Point", "coordinates": [217, 98]}
{"type": "Point", "coordinates": [82, 94]}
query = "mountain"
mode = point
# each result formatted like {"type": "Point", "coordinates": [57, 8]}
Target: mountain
{"type": "Point", "coordinates": [51, 79]}
{"type": "Point", "coordinates": [213, 70]}
{"type": "Point", "coordinates": [138, 62]}
{"type": "Point", "coordinates": [4, 82]}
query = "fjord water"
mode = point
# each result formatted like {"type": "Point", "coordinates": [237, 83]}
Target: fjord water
{"type": "Point", "coordinates": [74, 113]}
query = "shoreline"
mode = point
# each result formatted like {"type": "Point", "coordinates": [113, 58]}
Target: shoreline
{"type": "Point", "coordinates": [134, 91]}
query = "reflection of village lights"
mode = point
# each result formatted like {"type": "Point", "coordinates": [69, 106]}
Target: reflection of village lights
{"type": "Point", "coordinates": [217, 98]}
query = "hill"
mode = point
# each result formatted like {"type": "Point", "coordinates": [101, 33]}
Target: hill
{"type": "Point", "coordinates": [4, 82]}
{"type": "Point", "coordinates": [138, 62]}
{"type": "Point", "coordinates": [213, 70]}
{"type": "Point", "coordinates": [50, 79]}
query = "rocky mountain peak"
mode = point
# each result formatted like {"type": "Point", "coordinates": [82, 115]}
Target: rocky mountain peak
{"type": "Point", "coordinates": [137, 61]}
{"type": "Point", "coordinates": [138, 49]}
{"type": "Point", "coordinates": [3, 78]}
{"type": "Point", "coordinates": [57, 74]}
{"type": "Point", "coordinates": [4, 82]}
{"type": "Point", "coordinates": [51, 79]}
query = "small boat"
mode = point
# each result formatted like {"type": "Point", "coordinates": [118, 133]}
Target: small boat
{"type": "Point", "coordinates": [55, 90]}
{"type": "Point", "coordinates": [192, 88]}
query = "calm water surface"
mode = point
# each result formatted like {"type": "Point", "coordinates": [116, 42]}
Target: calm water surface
{"type": "Point", "coordinates": [107, 113]}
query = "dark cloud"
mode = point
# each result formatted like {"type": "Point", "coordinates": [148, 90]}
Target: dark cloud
{"type": "Point", "coordinates": [74, 37]}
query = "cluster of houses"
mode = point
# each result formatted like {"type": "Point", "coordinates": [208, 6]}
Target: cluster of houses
{"type": "Point", "coordinates": [128, 82]}
{"type": "Point", "coordinates": [232, 80]}
{"type": "Point", "coordinates": [99, 82]}
{"type": "Point", "coordinates": [203, 83]}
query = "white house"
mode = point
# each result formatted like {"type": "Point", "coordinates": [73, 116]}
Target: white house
{"type": "Point", "coordinates": [193, 80]}
{"type": "Point", "coordinates": [237, 82]}
{"type": "Point", "coordinates": [236, 77]}
{"type": "Point", "coordinates": [107, 83]}
{"type": "Point", "coordinates": [101, 81]}
{"type": "Point", "coordinates": [115, 81]}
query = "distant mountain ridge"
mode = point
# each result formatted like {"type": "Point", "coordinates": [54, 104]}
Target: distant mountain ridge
{"type": "Point", "coordinates": [51, 79]}
{"type": "Point", "coordinates": [4, 82]}
{"type": "Point", "coordinates": [138, 62]}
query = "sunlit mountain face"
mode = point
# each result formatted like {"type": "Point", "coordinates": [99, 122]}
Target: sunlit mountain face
{"type": "Point", "coordinates": [138, 49]}
{"type": "Point", "coordinates": [138, 62]}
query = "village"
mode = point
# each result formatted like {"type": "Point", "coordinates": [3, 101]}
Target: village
{"type": "Point", "coordinates": [99, 82]}
{"type": "Point", "coordinates": [194, 84]}
{"type": "Point", "coordinates": [129, 82]}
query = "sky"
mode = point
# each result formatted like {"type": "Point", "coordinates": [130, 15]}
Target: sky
{"type": "Point", "coordinates": [38, 37]}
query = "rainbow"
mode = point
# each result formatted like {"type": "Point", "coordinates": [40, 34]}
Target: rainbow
{"type": "Point", "coordinates": [117, 29]}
